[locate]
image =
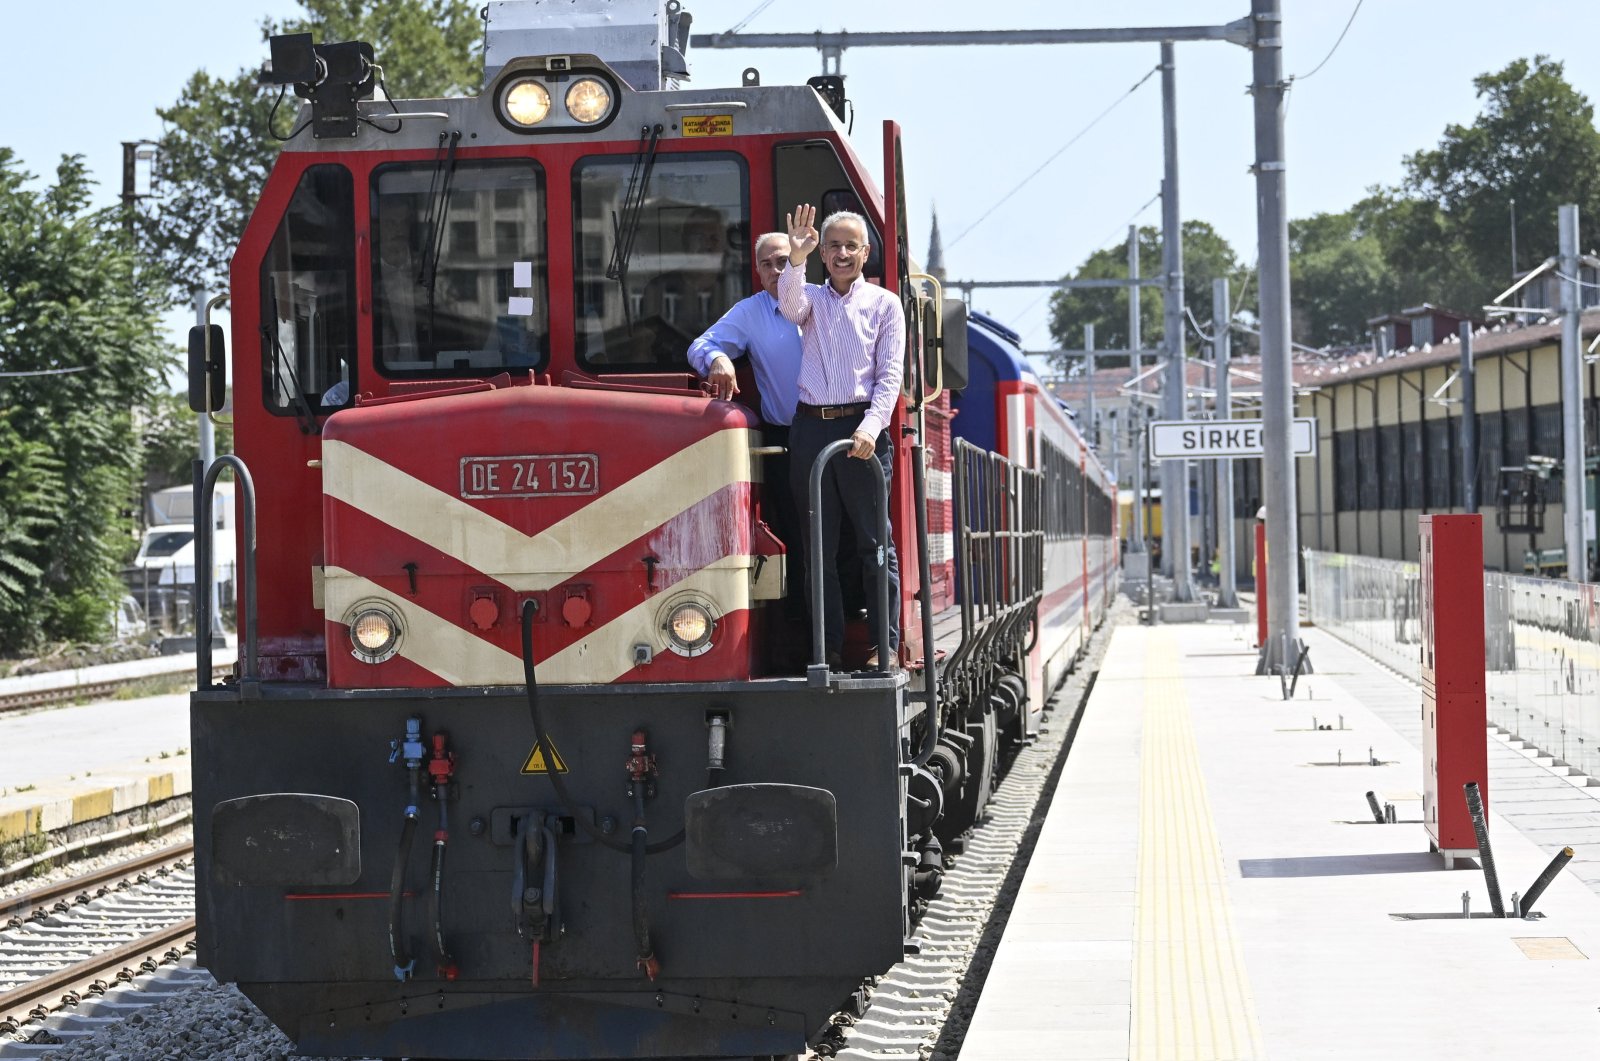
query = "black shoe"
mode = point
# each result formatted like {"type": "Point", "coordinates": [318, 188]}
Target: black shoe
{"type": "Point", "coordinates": [835, 660]}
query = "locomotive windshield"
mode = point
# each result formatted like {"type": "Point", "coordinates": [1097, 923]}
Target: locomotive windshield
{"type": "Point", "coordinates": [690, 257]}
{"type": "Point", "coordinates": [459, 270]}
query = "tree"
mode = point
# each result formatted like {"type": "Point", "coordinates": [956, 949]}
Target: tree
{"type": "Point", "coordinates": [168, 438]}
{"type": "Point", "coordinates": [73, 312]}
{"type": "Point", "coordinates": [1535, 142]}
{"type": "Point", "coordinates": [1205, 255]}
{"type": "Point", "coordinates": [219, 141]}
{"type": "Point", "coordinates": [1341, 276]}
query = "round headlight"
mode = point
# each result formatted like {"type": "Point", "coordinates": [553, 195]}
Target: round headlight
{"type": "Point", "coordinates": [689, 629]}
{"type": "Point", "coordinates": [527, 102]}
{"type": "Point", "coordinates": [374, 634]}
{"type": "Point", "coordinates": [588, 100]}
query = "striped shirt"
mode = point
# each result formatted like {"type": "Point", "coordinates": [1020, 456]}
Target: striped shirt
{"type": "Point", "coordinates": [755, 326]}
{"type": "Point", "coordinates": [852, 345]}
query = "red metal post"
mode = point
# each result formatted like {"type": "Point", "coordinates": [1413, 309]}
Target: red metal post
{"type": "Point", "coordinates": [1261, 583]}
{"type": "Point", "coordinates": [1455, 746]}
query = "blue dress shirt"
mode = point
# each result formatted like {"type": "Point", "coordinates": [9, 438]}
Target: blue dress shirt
{"type": "Point", "coordinates": [756, 326]}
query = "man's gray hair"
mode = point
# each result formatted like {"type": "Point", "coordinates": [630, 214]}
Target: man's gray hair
{"type": "Point", "coordinates": [847, 215]}
{"type": "Point", "coordinates": [766, 238]}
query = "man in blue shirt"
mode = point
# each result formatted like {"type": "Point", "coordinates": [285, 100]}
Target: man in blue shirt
{"type": "Point", "coordinates": [756, 327]}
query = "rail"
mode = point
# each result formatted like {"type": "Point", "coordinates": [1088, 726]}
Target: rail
{"type": "Point", "coordinates": [999, 562]}
{"type": "Point", "coordinates": [1541, 644]}
{"type": "Point", "coordinates": [205, 485]}
{"type": "Point", "coordinates": [818, 673]}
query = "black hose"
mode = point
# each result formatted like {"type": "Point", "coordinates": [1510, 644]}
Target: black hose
{"type": "Point", "coordinates": [541, 741]}
{"type": "Point", "coordinates": [441, 955]}
{"type": "Point", "coordinates": [641, 918]}
{"type": "Point", "coordinates": [1562, 858]}
{"type": "Point", "coordinates": [1480, 827]}
{"type": "Point", "coordinates": [404, 964]}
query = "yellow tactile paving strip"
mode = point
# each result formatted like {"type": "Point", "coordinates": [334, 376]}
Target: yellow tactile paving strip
{"type": "Point", "coordinates": [1191, 996]}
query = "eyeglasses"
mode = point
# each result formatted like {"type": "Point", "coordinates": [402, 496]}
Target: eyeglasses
{"type": "Point", "coordinates": [849, 248]}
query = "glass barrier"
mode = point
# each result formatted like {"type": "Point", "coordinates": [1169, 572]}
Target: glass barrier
{"type": "Point", "coordinates": [1370, 603]}
{"type": "Point", "coordinates": [1541, 644]}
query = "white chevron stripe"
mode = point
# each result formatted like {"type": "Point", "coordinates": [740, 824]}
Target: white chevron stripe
{"type": "Point", "coordinates": [573, 544]}
{"type": "Point", "coordinates": [938, 485]}
{"type": "Point", "coordinates": [462, 658]}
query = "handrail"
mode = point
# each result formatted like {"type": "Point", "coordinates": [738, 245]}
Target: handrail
{"type": "Point", "coordinates": [817, 673]}
{"type": "Point", "coordinates": [205, 485]}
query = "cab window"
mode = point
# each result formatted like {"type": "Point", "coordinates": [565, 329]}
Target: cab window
{"type": "Point", "coordinates": [459, 268]}
{"type": "Point", "coordinates": [651, 279]}
{"type": "Point", "coordinates": [308, 299]}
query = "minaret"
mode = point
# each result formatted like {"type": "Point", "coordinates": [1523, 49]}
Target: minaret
{"type": "Point", "coordinates": [935, 266]}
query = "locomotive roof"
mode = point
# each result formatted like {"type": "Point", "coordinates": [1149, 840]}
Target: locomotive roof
{"type": "Point", "coordinates": [754, 109]}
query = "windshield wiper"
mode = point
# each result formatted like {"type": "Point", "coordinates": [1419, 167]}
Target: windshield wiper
{"type": "Point", "coordinates": [444, 171]}
{"type": "Point", "coordinates": [302, 408]}
{"type": "Point", "coordinates": [625, 230]}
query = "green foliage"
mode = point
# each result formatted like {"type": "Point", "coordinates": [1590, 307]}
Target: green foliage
{"type": "Point", "coordinates": [69, 298]}
{"type": "Point", "coordinates": [170, 439]}
{"type": "Point", "coordinates": [1535, 142]}
{"type": "Point", "coordinates": [217, 150]}
{"type": "Point", "coordinates": [1205, 255]}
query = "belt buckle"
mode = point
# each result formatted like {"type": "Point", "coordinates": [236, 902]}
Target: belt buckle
{"type": "Point", "coordinates": [831, 412]}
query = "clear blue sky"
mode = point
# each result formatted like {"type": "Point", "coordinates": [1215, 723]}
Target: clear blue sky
{"type": "Point", "coordinates": [976, 120]}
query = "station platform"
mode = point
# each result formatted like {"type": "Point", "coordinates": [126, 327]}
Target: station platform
{"type": "Point", "coordinates": [76, 769]}
{"type": "Point", "coordinates": [1210, 883]}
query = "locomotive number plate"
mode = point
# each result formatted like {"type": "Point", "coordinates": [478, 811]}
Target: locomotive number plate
{"type": "Point", "coordinates": [531, 475]}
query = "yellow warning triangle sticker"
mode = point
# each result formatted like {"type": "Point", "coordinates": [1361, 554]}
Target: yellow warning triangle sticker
{"type": "Point", "coordinates": [537, 764]}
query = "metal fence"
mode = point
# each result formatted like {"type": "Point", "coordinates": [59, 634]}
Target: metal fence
{"type": "Point", "coordinates": [165, 595]}
{"type": "Point", "coordinates": [1541, 644]}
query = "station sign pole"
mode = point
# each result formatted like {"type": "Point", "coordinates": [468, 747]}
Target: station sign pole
{"type": "Point", "coordinates": [1221, 326]}
{"type": "Point", "coordinates": [1277, 371]}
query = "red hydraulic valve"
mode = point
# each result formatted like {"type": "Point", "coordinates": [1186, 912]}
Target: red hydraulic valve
{"type": "Point", "coordinates": [442, 763]}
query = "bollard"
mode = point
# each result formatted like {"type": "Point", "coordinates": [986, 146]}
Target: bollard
{"type": "Point", "coordinates": [1466, 904]}
{"type": "Point", "coordinates": [1537, 888]}
{"type": "Point", "coordinates": [1480, 827]}
{"type": "Point", "coordinates": [1377, 812]}
{"type": "Point", "coordinates": [1389, 814]}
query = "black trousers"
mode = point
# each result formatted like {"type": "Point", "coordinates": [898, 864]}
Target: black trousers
{"type": "Point", "coordinates": [848, 490]}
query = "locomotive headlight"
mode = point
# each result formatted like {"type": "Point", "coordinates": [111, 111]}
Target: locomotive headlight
{"type": "Point", "coordinates": [374, 633]}
{"type": "Point", "coordinates": [526, 102]}
{"type": "Point", "coordinates": [588, 100]}
{"type": "Point", "coordinates": [689, 628]}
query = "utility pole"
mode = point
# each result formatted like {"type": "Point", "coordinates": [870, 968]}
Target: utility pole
{"type": "Point", "coordinates": [1282, 648]}
{"type": "Point", "coordinates": [1469, 423]}
{"type": "Point", "coordinates": [208, 454]}
{"type": "Point", "coordinates": [1222, 350]}
{"type": "Point", "coordinates": [1574, 472]}
{"type": "Point", "coordinates": [1136, 403]}
{"type": "Point", "coordinates": [1093, 434]}
{"type": "Point", "coordinates": [1174, 474]}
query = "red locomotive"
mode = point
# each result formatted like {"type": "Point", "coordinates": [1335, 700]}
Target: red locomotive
{"type": "Point", "coordinates": [514, 573]}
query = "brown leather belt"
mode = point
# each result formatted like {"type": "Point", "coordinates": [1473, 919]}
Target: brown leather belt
{"type": "Point", "coordinates": [832, 412]}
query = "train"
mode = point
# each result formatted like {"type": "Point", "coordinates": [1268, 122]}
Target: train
{"type": "Point", "coordinates": [520, 759]}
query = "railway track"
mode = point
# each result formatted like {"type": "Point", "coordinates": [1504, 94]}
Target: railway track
{"type": "Point", "coordinates": [66, 944]}
{"type": "Point", "coordinates": [29, 699]}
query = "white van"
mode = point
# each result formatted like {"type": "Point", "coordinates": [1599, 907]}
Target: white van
{"type": "Point", "coordinates": [166, 555]}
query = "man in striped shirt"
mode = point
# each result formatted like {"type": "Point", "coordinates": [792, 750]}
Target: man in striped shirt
{"type": "Point", "coordinates": [852, 341]}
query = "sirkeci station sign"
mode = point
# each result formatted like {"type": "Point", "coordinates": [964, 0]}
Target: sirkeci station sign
{"type": "Point", "coordinates": [1202, 439]}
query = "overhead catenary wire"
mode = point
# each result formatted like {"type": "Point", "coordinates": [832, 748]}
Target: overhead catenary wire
{"type": "Point", "coordinates": [1348, 23]}
{"type": "Point", "coordinates": [751, 17]}
{"type": "Point", "coordinates": [44, 372]}
{"type": "Point", "coordinates": [1058, 153]}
